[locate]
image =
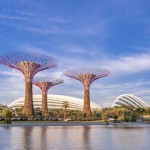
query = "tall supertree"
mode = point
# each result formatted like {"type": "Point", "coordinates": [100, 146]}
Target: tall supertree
{"type": "Point", "coordinates": [45, 84]}
{"type": "Point", "coordinates": [29, 63]}
{"type": "Point", "coordinates": [86, 76]}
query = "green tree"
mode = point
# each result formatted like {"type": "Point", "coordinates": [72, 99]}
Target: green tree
{"type": "Point", "coordinates": [65, 106]}
{"type": "Point", "coordinates": [7, 114]}
{"type": "Point", "coordinates": [18, 112]}
{"type": "Point", "coordinates": [2, 107]}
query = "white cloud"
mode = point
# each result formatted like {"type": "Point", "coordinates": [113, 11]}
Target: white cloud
{"type": "Point", "coordinates": [10, 73]}
{"type": "Point", "coordinates": [53, 24]}
{"type": "Point", "coordinates": [129, 64]}
{"type": "Point", "coordinates": [2, 16]}
{"type": "Point", "coordinates": [11, 88]}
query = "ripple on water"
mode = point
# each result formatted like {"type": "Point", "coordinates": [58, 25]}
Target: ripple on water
{"type": "Point", "coordinates": [94, 137]}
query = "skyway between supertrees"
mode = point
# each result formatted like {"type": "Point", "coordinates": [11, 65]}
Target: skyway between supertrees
{"type": "Point", "coordinates": [45, 84]}
{"type": "Point", "coordinates": [29, 63]}
{"type": "Point", "coordinates": [86, 76]}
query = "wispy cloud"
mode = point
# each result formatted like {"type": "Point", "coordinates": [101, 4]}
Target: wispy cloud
{"type": "Point", "coordinates": [53, 24]}
{"type": "Point", "coordinates": [12, 17]}
{"type": "Point", "coordinates": [11, 88]}
{"type": "Point", "coordinates": [130, 64]}
{"type": "Point", "coordinates": [60, 30]}
{"type": "Point", "coordinates": [10, 73]}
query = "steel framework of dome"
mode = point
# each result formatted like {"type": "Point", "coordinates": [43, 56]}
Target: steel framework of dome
{"type": "Point", "coordinates": [129, 100]}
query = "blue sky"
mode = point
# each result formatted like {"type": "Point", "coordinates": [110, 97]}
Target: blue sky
{"type": "Point", "coordinates": [114, 34]}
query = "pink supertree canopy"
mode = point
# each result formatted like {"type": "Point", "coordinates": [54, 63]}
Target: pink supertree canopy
{"type": "Point", "coordinates": [42, 61]}
{"type": "Point", "coordinates": [86, 72]}
{"type": "Point", "coordinates": [46, 83]}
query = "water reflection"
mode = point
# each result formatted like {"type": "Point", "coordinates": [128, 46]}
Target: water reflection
{"type": "Point", "coordinates": [133, 138]}
{"type": "Point", "coordinates": [43, 138]}
{"type": "Point", "coordinates": [27, 139]}
{"type": "Point", "coordinates": [86, 137]}
{"type": "Point", "coordinates": [74, 137]}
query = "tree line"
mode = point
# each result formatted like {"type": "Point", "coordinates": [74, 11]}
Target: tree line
{"type": "Point", "coordinates": [116, 114]}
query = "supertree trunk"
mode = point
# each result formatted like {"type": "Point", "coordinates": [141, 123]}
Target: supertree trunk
{"type": "Point", "coordinates": [87, 108]}
{"type": "Point", "coordinates": [44, 102]}
{"type": "Point", "coordinates": [28, 103]}
{"type": "Point", "coordinates": [27, 68]}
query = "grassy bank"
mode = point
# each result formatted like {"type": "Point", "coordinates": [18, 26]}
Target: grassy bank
{"type": "Point", "coordinates": [53, 123]}
{"type": "Point", "coordinates": [70, 123]}
{"type": "Point", "coordinates": [2, 122]}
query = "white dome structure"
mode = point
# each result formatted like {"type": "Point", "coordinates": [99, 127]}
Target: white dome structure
{"type": "Point", "coordinates": [54, 102]}
{"type": "Point", "coordinates": [129, 100]}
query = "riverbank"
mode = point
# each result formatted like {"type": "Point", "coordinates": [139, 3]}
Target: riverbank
{"type": "Point", "coordinates": [72, 123]}
{"type": "Point", "coordinates": [53, 123]}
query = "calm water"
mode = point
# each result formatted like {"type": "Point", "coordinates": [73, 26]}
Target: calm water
{"type": "Point", "coordinates": [75, 138]}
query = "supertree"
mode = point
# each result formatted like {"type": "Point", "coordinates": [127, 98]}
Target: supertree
{"type": "Point", "coordinates": [45, 84]}
{"type": "Point", "coordinates": [29, 63]}
{"type": "Point", "coordinates": [86, 76]}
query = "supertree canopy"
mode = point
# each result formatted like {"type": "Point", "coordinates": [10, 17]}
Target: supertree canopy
{"type": "Point", "coordinates": [45, 84]}
{"type": "Point", "coordinates": [86, 76]}
{"type": "Point", "coordinates": [29, 63]}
